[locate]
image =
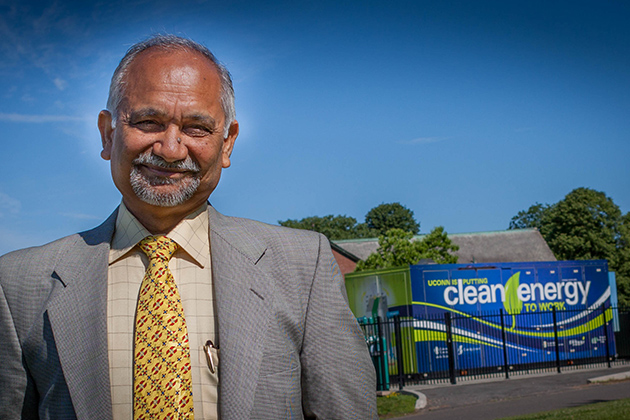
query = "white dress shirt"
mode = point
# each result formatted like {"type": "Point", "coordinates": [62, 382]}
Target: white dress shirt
{"type": "Point", "coordinates": [191, 269]}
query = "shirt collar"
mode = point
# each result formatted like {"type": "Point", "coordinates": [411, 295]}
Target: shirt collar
{"type": "Point", "coordinates": [191, 234]}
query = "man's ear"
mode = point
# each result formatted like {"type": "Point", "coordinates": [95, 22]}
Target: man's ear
{"type": "Point", "coordinates": [107, 132]}
{"type": "Point", "coordinates": [228, 144]}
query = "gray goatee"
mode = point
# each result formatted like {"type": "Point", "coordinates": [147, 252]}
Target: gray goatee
{"type": "Point", "coordinates": [145, 186]}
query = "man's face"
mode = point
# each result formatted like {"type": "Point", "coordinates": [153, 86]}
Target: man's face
{"type": "Point", "coordinates": [167, 147]}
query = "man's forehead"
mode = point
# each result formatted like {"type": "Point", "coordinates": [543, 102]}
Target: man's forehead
{"type": "Point", "coordinates": [171, 75]}
{"type": "Point", "coordinates": [181, 65]}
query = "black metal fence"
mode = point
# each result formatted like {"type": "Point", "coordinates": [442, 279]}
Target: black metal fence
{"type": "Point", "coordinates": [434, 348]}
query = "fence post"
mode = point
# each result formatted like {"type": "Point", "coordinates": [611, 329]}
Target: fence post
{"type": "Point", "coordinates": [449, 347]}
{"type": "Point", "coordinates": [399, 352]}
{"type": "Point", "coordinates": [382, 352]}
{"type": "Point", "coordinates": [555, 336]}
{"type": "Point", "coordinates": [604, 324]}
{"type": "Point", "coordinates": [505, 356]}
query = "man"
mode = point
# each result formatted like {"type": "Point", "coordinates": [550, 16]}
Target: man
{"type": "Point", "coordinates": [79, 330]}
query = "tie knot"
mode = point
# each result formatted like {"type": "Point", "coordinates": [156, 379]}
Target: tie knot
{"type": "Point", "coordinates": [158, 247]}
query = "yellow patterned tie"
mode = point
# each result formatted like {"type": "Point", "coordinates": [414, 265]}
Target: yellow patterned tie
{"type": "Point", "coordinates": [162, 375]}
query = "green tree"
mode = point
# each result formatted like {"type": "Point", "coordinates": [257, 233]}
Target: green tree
{"type": "Point", "coordinates": [438, 247]}
{"type": "Point", "coordinates": [388, 216]}
{"type": "Point", "coordinates": [621, 264]}
{"type": "Point", "coordinates": [585, 225]}
{"type": "Point", "coordinates": [530, 218]}
{"type": "Point", "coordinates": [334, 227]}
{"type": "Point", "coordinates": [397, 248]}
{"type": "Point", "coordinates": [377, 221]}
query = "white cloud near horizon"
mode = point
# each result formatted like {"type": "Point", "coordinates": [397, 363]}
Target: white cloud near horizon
{"type": "Point", "coordinates": [12, 117]}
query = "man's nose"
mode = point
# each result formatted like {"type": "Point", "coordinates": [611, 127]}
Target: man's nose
{"type": "Point", "coordinates": [170, 146]}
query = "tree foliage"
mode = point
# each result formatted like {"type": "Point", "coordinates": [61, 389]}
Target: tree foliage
{"type": "Point", "coordinates": [530, 218]}
{"type": "Point", "coordinates": [377, 221]}
{"type": "Point", "coordinates": [388, 216]}
{"type": "Point", "coordinates": [585, 225]}
{"type": "Point", "coordinates": [397, 248]}
{"type": "Point", "coordinates": [438, 247]}
{"type": "Point", "coordinates": [622, 262]}
{"type": "Point", "coordinates": [334, 227]}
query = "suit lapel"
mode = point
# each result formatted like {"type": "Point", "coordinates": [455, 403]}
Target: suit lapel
{"type": "Point", "coordinates": [244, 298]}
{"type": "Point", "coordinates": [78, 317]}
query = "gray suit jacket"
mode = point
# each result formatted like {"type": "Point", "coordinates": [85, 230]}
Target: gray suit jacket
{"type": "Point", "coordinates": [290, 347]}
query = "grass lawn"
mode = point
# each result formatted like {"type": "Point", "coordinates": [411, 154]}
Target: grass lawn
{"type": "Point", "coordinates": [395, 404]}
{"type": "Point", "coordinates": [613, 410]}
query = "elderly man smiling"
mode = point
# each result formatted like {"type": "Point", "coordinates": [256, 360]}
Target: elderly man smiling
{"type": "Point", "coordinates": [170, 309]}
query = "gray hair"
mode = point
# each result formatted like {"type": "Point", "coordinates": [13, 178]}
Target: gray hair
{"type": "Point", "coordinates": [172, 43]}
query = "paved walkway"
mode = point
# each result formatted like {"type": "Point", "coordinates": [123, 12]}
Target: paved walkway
{"type": "Point", "coordinates": [498, 398]}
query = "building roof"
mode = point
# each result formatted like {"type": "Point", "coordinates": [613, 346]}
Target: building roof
{"type": "Point", "coordinates": [344, 252]}
{"type": "Point", "coordinates": [498, 246]}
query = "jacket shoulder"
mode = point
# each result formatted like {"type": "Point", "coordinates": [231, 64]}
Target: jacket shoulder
{"type": "Point", "coordinates": [24, 261]}
{"type": "Point", "coordinates": [37, 260]}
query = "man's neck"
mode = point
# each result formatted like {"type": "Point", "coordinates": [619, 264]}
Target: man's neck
{"type": "Point", "coordinates": [161, 220]}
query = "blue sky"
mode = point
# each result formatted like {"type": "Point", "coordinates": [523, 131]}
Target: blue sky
{"type": "Point", "coordinates": [465, 112]}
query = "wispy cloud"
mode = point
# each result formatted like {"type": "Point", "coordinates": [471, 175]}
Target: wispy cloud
{"type": "Point", "coordinates": [425, 140]}
{"type": "Point", "coordinates": [9, 204]}
{"type": "Point", "coordinates": [41, 118]}
{"type": "Point", "coordinates": [38, 37]}
{"type": "Point", "coordinates": [27, 98]}
{"type": "Point", "coordinates": [60, 83]}
{"type": "Point", "coordinates": [81, 216]}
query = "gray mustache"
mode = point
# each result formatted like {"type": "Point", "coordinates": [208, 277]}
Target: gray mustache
{"type": "Point", "coordinates": [150, 159]}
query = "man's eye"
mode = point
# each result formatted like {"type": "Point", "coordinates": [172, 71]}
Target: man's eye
{"type": "Point", "coordinates": [148, 125]}
{"type": "Point", "coordinates": [197, 131]}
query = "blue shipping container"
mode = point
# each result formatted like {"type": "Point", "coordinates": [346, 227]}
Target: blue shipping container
{"type": "Point", "coordinates": [526, 294]}
{"type": "Point", "coordinates": [493, 305]}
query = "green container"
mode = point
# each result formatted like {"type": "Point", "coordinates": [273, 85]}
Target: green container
{"type": "Point", "coordinates": [373, 294]}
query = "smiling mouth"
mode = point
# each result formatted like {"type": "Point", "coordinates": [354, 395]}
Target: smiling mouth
{"type": "Point", "coordinates": [157, 176]}
{"type": "Point", "coordinates": [160, 172]}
